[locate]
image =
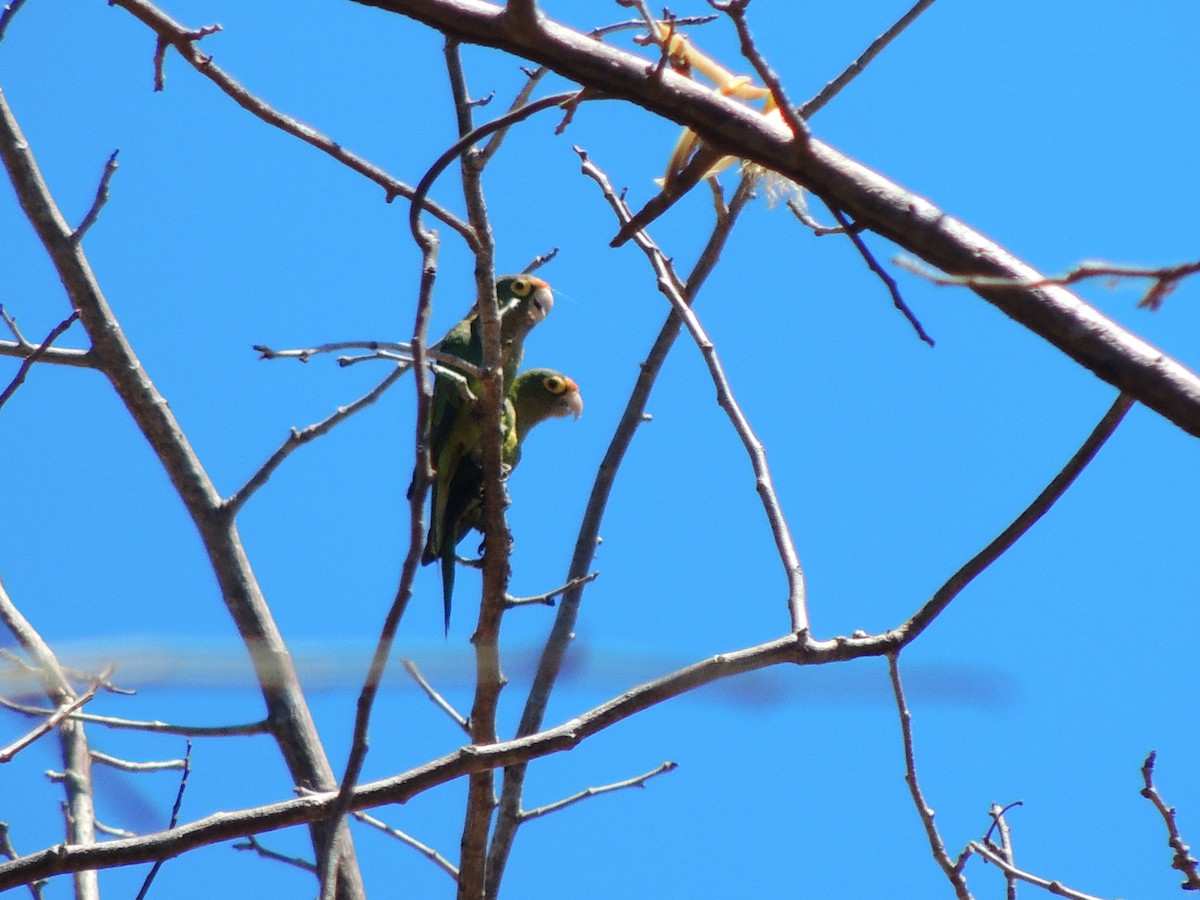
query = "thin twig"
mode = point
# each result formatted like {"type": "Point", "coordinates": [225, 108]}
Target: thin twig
{"type": "Point", "coordinates": [113, 830]}
{"type": "Point", "coordinates": [251, 843]}
{"type": "Point", "coordinates": [400, 349]}
{"type": "Point", "coordinates": [184, 40]}
{"type": "Point", "coordinates": [52, 721]}
{"type": "Point", "coordinates": [1004, 847]}
{"type": "Point", "coordinates": [126, 765]}
{"type": "Point", "coordinates": [422, 189]}
{"type": "Point", "coordinates": [299, 437]}
{"type": "Point", "coordinates": [186, 765]}
{"type": "Point", "coordinates": [1054, 887]}
{"type": "Point", "coordinates": [438, 700]}
{"type": "Point", "coordinates": [538, 261]}
{"type": "Point", "coordinates": [547, 599]}
{"type": "Point", "coordinates": [638, 781]}
{"type": "Point", "coordinates": [889, 282]}
{"type": "Point", "coordinates": [1182, 861]}
{"type": "Point", "coordinates": [1165, 278]}
{"type": "Point", "coordinates": [37, 353]}
{"type": "Point", "coordinates": [110, 169]}
{"type": "Point", "coordinates": [910, 630]}
{"type": "Point", "coordinates": [856, 68]}
{"type": "Point", "coordinates": [952, 869]}
{"type": "Point", "coordinates": [262, 726]}
{"type": "Point", "coordinates": [409, 841]}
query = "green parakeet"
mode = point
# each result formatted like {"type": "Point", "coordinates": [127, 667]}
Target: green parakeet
{"type": "Point", "coordinates": [534, 396]}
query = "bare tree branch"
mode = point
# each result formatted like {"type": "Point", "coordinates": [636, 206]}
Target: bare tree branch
{"type": "Point", "coordinates": [1041, 504]}
{"type": "Point", "coordinates": [79, 808]}
{"type": "Point", "coordinates": [736, 10]}
{"type": "Point", "coordinates": [952, 870]}
{"type": "Point", "coordinates": [6, 847]}
{"type": "Point", "coordinates": [563, 630]}
{"type": "Point", "coordinates": [251, 843]}
{"type": "Point", "coordinates": [547, 599]}
{"type": "Point", "coordinates": [438, 700]}
{"type": "Point", "coordinates": [675, 291]}
{"type": "Point", "coordinates": [126, 765]}
{"type": "Point", "coordinates": [52, 721]}
{"type": "Point", "coordinates": [873, 264]}
{"type": "Point", "coordinates": [1164, 278]}
{"type": "Point", "coordinates": [1054, 887]}
{"type": "Point", "coordinates": [172, 33]}
{"type": "Point", "coordinates": [481, 788]}
{"type": "Point", "coordinates": [831, 90]}
{"type": "Point", "coordinates": [1183, 861]}
{"type": "Point", "coordinates": [6, 16]}
{"type": "Point", "coordinates": [409, 841]}
{"type": "Point", "coordinates": [1082, 332]}
{"type": "Point", "coordinates": [299, 438]}
{"type": "Point", "coordinates": [250, 728]}
{"type": "Point", "coordinates": [36, 354]}
{"type": "Point", "coordinates": [291, 720]}
{"type": "Point", "coordinates": [93, 213]}
{"type": "Point", "coordinates": [638, 781]}
{"type": "Point", "coordinates": [186, 765]}
{"type": "Point", "coordinates": [329, 863]}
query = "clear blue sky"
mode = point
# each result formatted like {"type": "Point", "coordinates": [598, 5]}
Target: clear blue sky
{"type": "Point", "coordinates": [1064, 133]}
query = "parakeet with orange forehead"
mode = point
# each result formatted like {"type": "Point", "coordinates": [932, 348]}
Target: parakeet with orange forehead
{"type": "Point", "coordinates": [535, 396]}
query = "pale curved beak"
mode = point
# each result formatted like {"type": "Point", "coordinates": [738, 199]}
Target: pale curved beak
{"type": "Point", "coordinates": [574, 402]}
{"type": "Point", "coordinates": [543, 300]}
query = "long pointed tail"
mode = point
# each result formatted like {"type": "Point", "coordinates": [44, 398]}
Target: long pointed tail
{"type": "Point", "coordinates": [448, 563]}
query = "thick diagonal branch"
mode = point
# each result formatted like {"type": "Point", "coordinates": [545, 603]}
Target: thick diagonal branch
{"type": "Point", "coordinates": [1051, 311]}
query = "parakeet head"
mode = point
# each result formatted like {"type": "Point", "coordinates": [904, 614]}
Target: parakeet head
{"type": "Point", "coordinates": [529, 293]}
{"type": "Point", "coordinates": [540, 394]}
